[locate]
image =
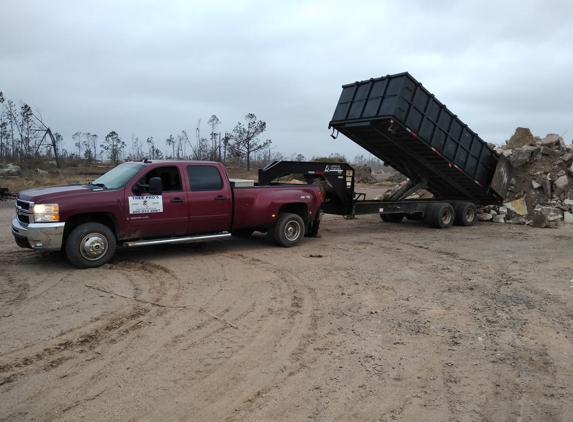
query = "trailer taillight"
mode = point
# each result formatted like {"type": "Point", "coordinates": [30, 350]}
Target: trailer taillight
{"type": "Point", "coordinates": [319, 199]}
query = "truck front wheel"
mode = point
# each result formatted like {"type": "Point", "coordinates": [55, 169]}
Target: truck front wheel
{"type": "Point", "coordinates": [90, 245]}
{"type": "Point", "coordinates": [288, 230]}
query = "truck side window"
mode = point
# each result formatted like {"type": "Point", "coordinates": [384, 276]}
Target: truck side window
{"type": "Point", "coordinates": [170, 178]}
{"type": "Point", "coordinates": [204, 178]}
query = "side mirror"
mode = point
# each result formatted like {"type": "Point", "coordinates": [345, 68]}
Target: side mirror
{"type": "Point", "coordinates": [155, 186]}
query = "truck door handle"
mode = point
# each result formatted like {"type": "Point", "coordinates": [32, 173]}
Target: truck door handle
{"type": "Point", "coordinates": [177, 200]}
{"type": "Point", "coordinates": [220, 198]}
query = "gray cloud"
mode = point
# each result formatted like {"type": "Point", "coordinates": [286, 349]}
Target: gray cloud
{"type": "Point", "coordinates": [153, 68]}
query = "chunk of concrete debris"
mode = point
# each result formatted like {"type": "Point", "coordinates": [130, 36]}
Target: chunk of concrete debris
{"type": "Point", "coordinates": [518, 206]}
{"type": "Point", "coordinates": [551, 213]}
{"type": "Point", "coordinates": [567, 157]}
{"type": "Point", "coordinates": [502, 210]}
{"type": "Point", "coordinates": [561, 182]}
{"type": "Point", "coordinates": [570, 170]}
{"type": "Point", "coordinates": [552, 139]}
{"type": "Point", "coordinates": [568, 202]}
{"type": "Point", "coordinates": [540, 220]}
{"type": "Point", "coordinates": [546, 185]}
{"type": "Point", "coordinates": [520, 138]}
{"type": "Point", "coordinates": [486, 216]}
{"type": "Point", "coordinates": [499, 219]}
{"type": "Point", "coordinates": [567, 217]}
{"type": "Point", "coordinates": [520, 156]}
{"type": "Point", "coordinates": [535, 185]}
{"type": "Point", "coordinates": [550, 152]}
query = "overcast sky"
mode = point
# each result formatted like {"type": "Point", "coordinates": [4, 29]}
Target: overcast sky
{"type": "Point", "coordinates": [153, 68]}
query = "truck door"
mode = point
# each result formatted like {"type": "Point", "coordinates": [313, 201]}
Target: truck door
{"type": "Point", "coordinates": [210, 200]}
{"type": "Point", "coordinates": [158, 216]}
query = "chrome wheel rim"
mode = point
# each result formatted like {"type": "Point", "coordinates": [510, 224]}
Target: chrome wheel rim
{"type": "Point", "coordinates": [93, 246]}
{"type": "Point", "coordinates": [292, 230]}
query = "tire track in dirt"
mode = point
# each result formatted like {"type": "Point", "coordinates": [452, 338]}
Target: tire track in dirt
{"type": "Point", "coordinates": [88, 338]}
{"type": "Point", "coordinates": [13, 290]}
{"type": "Point", "coordinates": [276, 327]}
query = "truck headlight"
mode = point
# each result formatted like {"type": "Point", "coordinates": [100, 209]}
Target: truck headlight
{"type": "Point", "coordinates": [46, 213]}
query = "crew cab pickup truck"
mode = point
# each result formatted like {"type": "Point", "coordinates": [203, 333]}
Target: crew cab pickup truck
{"type": "Point", "coordinates": [159, 202]}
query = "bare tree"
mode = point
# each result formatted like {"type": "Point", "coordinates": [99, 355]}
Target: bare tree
{"type": "Point", "coordinates": [91, 145]}
{"type": "Point", "coordinates": [152, 148]}
{"type": "Point", "coordinates": [136, 148]}
{"type": "Point", "coordinates": [114, 146]}
{"type": "Point", "coordinates": [77, 138]}
{"type": "Point", "coordinates": [215, 143]}
{"type": "Point", "coordinates": [245, 139]}
{"type": "Point", "coordinates": [170, 141]}
{"type": "Point", "coordinates": [3, 125]}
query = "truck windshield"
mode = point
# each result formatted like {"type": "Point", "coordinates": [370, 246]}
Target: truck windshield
{"type": "Point", "coordinates": [117, 177]}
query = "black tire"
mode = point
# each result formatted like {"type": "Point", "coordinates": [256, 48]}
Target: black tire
{"type": "Point", "coordinates": [465, 214]}
{"type": "Point", "coordinates": [392, 218]}
{"type": "Point", "coordinates": [288, 231]}
{"type": "Point", "coordinates": [417, 216]}
{"type": "Point", "coordinates": [440, 216]}
{"type": "Point", "coordinates": [242, 232]}
{"type": "Point", "coordinates": [90, 245]}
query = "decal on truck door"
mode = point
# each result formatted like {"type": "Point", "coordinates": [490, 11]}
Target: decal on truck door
{"type": "Point", "coordinates": [145, 204]}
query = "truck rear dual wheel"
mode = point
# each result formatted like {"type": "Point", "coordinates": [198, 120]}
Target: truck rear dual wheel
{"type": "Point", "coordinates": [288, 231]}
{"type": "Point", "coordinates": [440, 216]}
{"type": "Point", "coordinates": [465, 214]}
{"type": "Point", "coordinates": [90, 245]}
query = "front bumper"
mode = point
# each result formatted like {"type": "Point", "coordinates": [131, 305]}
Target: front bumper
{"type": "Point", "coordinates": [42, 236]}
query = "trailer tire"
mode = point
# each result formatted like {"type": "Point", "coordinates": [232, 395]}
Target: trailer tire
{"type": "Point", "coordinates": [440, 216]}
{"type": "Point", "coordinates": [465, 214]}
{"type": "Point", "coordinates": [392, 218]}
{"type": "Point", "coordinates": [90, 245]}
{"type": "Point", "coordinates": [288, 231]}
{"type": "Point", "coordinates": [416, 216]}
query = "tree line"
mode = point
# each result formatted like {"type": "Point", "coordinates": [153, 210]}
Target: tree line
{"type": "Point", "coordinates": [23, 138]}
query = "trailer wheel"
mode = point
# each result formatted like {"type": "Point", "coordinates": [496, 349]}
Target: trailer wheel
{"type": "Point", "coordinates": [417, 216]}
{"type": "Point", "coordinates": [242, 232]}
{"type": "Point", "coordinates": [288, 231]}
{"type": "Point", "coordinates": [440, 216]}
{"type": "Point", "coordinates": [392, 218]}
{"type": "Point", "coordinates": [465, 214]}
{"type": "Point", "coordinates": [90, 245]}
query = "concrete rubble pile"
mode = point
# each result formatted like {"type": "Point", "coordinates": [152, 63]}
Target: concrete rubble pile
{"type": "Point", "coordinates": [541, 192]}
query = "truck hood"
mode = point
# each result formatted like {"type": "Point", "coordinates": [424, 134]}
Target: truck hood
{"type": "Point", "coordinates": [53, 193]}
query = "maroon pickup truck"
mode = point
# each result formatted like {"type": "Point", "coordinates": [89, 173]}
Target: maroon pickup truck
{"type": "Point", "coordinates": [159, 202]}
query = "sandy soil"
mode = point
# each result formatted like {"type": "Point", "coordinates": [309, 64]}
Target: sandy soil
{"type": "Point", "coordinates": [370, 322]}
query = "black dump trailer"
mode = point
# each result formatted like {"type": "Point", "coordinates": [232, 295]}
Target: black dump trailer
{"type": "Point", "coordinates": [397, 120]}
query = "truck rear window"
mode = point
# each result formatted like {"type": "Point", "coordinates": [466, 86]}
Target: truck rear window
{"type": "Point", "coordinates": [204, 178]}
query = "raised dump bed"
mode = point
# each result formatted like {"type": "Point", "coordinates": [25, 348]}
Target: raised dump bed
{"type": "Point", "coordinates": [397, 120]}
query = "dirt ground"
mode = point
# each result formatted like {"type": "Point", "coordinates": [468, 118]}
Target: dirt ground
{"type": "Point", "coordinates": [371, 321]}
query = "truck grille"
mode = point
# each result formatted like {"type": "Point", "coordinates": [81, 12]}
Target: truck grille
{"type": "Point", "coordinates": [23, 205]}
{"type": "Point", "coordinates": [24, 211]}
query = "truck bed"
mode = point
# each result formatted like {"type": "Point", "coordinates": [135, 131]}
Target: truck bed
{"type": "Point", "coordinates": [397, 120]}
